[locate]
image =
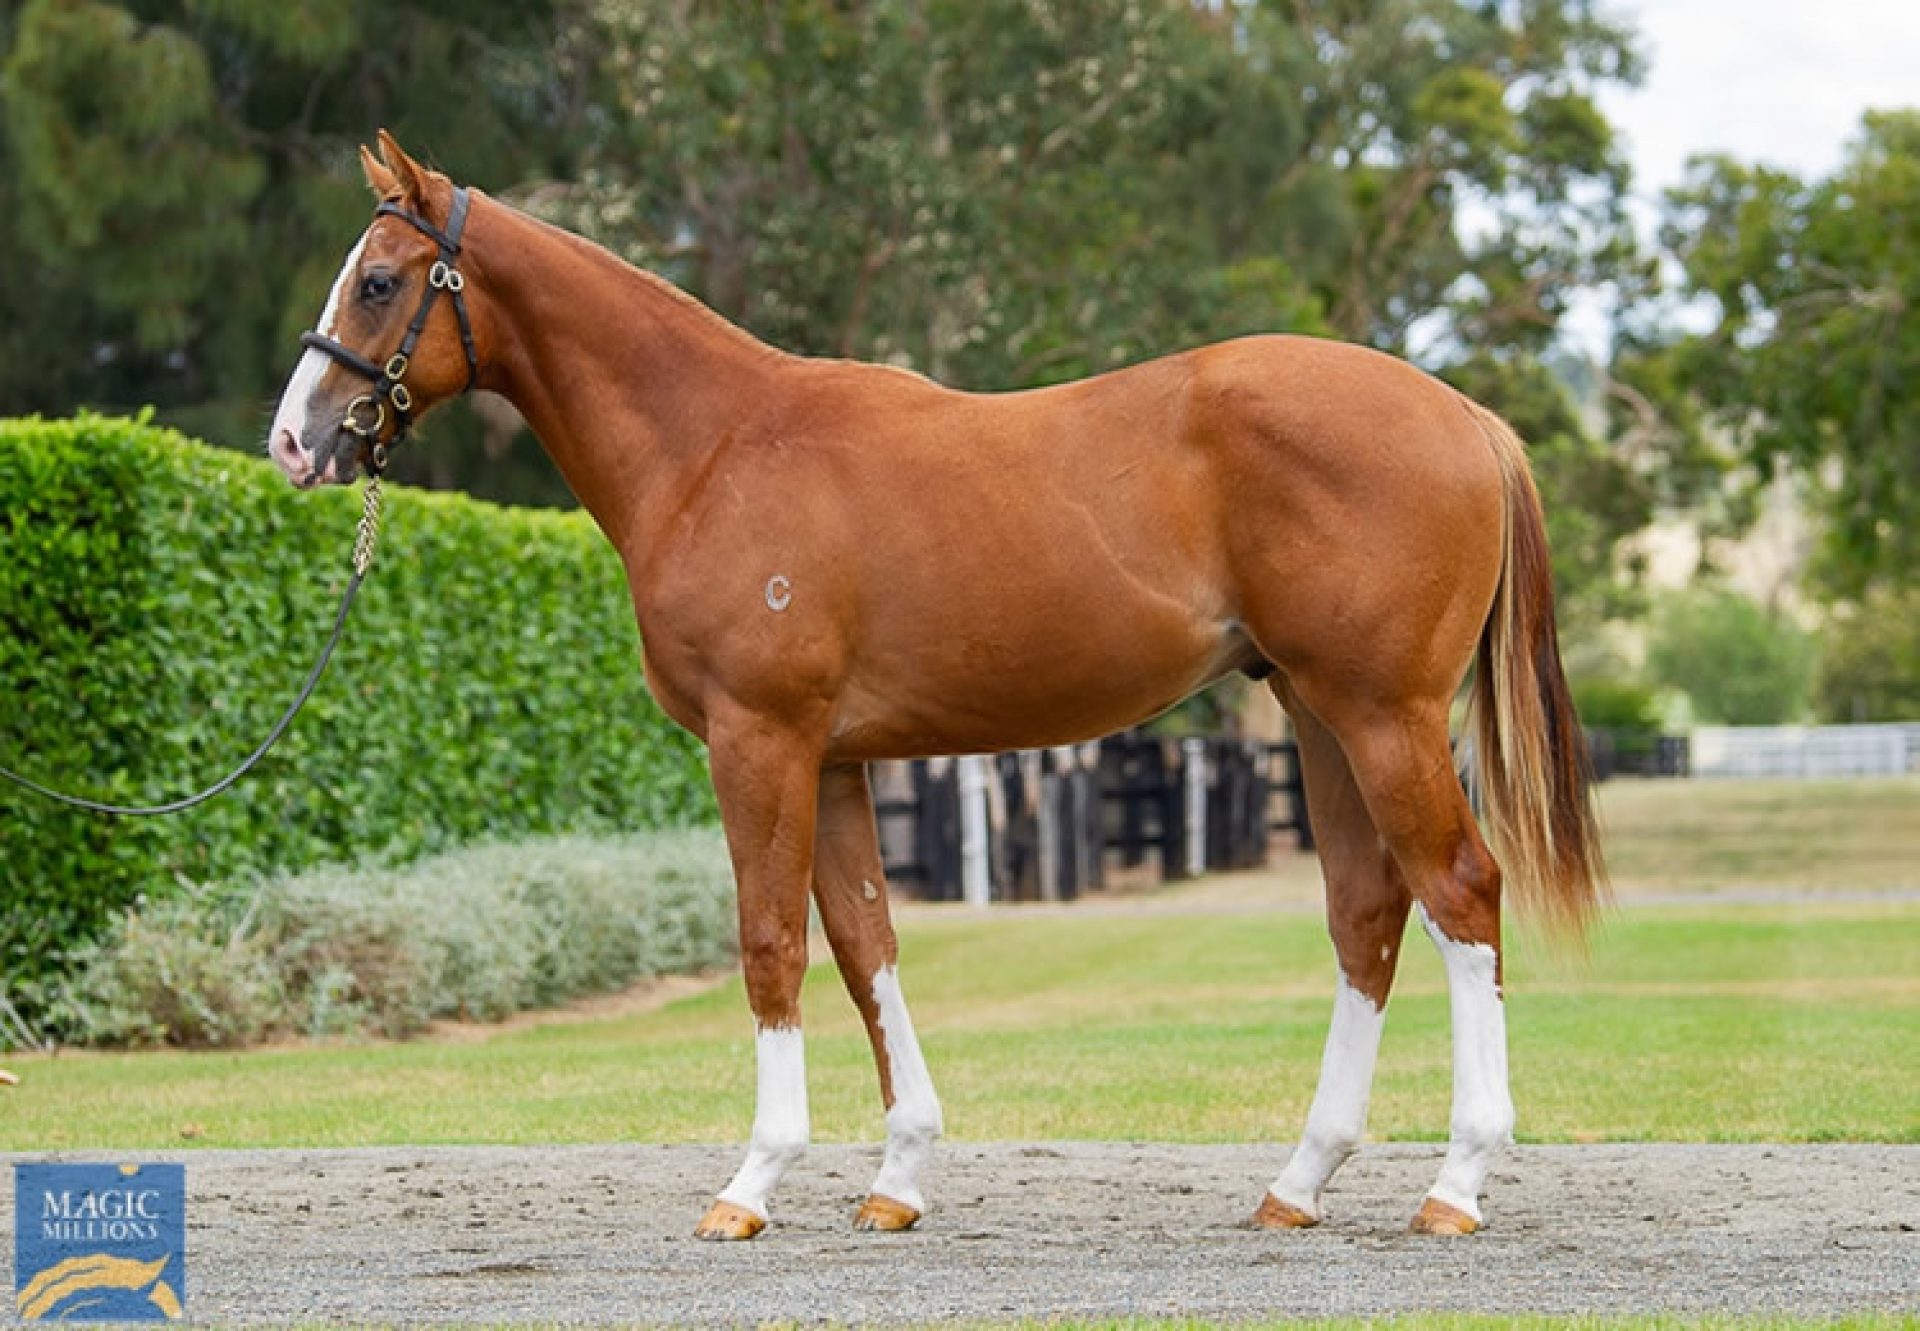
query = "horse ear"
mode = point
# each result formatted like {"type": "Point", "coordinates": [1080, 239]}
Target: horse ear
{"type": "Point", "coordinates": [379, 179]}
{"type": "Point", "coordinates": [409, 174]}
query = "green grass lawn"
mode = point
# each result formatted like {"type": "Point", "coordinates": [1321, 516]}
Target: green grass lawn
{"type": "Point", "coordinates": [1688, 1024]}
{"type": "Point", "coordinates": [1711, 836]}
{"type": "Point", "coordinates": [1702, 837]}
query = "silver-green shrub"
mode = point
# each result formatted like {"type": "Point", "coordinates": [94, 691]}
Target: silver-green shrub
{"type": "Point", "coordinates": [476, 933]}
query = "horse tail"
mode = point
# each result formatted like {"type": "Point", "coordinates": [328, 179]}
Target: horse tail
{"type": "Point", "coordinates": [1534, 776]}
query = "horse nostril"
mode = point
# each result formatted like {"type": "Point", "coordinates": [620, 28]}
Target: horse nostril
{"type": "Point", "coordinates": [293, 459]}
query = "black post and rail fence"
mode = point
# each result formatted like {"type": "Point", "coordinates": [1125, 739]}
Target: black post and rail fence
{"type": "Point", "coordinates": [1134, 808]}
{"type": "Point", "coordinates": [1053, 824]}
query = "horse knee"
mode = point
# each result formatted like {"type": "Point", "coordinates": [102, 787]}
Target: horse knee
{"type": "Point", "coordinates": [774, 960]}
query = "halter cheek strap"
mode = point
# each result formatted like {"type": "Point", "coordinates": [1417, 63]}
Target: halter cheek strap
{"type": "Point", "coordinates": [366, 415]}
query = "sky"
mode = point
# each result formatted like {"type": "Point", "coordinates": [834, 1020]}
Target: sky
{"type": "Point", "coordinates": [1778, 81]}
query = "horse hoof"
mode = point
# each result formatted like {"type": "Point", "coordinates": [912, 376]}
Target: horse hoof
{"type": "Point", "coordinates": [1436, 1217]}
{"type": "Point", "coordinates": [724, 1220]}
{"type": "Point", "coordinates": [1276, 1214]}
{"type": "Point", "coordinates": [884, 1214]}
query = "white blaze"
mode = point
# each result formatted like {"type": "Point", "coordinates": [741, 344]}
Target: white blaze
{"type": "Point", "coordinates": [1339, 1113]}
{"type": "Point", "coordinates": [914, 1121]}
{"type": "Point", "coordinates": [291, 416]}
{"type": "Point", "coordinates": [780, 1124]}
{"type": "Point", "coordinates": [1482, 1102]}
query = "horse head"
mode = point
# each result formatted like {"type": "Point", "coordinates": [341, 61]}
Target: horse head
{"type": "Point", "coordinates": [396, 337]}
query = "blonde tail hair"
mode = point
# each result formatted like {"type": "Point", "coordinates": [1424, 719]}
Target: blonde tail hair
{"type": "Point", "coordinates": [1533, 773]}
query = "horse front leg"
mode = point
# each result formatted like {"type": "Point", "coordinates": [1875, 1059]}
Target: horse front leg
{"type": "Point", "coordinates": [767, 777]}
{"type": "Point", "coordinates": [850, 886]}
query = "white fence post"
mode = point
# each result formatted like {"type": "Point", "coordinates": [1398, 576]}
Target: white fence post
{"type": "Point", "coordinates": [1195, 750]}
{"type": "Point", "coordinates": [976, 881]}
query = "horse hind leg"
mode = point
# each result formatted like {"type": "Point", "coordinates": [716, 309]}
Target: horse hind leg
{"type": "Point", "coordinates": [851, 891]}
{"type": "Point", "coordinates": [1367, 903]}
{"type": "Point", "coordinates": [1402, 764]}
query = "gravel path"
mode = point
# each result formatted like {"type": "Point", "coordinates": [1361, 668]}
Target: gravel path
{"type": "Point", "coordinates": [601, 1234]}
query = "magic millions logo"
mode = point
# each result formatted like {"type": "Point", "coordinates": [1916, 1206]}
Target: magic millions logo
{"type": "Point", "coordinates": [100, 1243]}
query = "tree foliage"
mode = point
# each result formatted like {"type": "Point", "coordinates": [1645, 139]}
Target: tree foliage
{"type": "Point", "coordinates": [1737, 662]}
{"type": "Point", "coordinates": [1870, 659]}
{"type": "Point", "coordinates": [1813, 360]}
{"type": "Point", "coordinates": [177, 180]}
{"type": "Point", "coordinates": [1004, 192]}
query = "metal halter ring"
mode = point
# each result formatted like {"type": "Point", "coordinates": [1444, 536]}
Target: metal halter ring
{"type": "Point", "coordinates": [397, 366]}
{"type": "Point", "coordinates": [443, 275]}
{"type": "Point", "coordinates": [402, 400]}
{"type": "Point", "coordinates": [350, 422]}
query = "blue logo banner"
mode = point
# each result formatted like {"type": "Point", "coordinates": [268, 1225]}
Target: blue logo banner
{"type": "Point", "coordinates": [100, 1243]}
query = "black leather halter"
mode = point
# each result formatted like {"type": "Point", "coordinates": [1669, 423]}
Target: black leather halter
{"type": "Point", "coordinates": [366, 415]}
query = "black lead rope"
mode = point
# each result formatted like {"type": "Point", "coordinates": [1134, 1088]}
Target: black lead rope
{"type": "Point", "coordinates": [362, 561]}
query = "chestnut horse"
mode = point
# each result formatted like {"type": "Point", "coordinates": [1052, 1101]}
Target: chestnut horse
{"type": "Point", "coordinates": [834, 562]}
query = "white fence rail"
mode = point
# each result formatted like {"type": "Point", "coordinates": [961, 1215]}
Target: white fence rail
{"type": "Point", "coordinates": [1806, 751]}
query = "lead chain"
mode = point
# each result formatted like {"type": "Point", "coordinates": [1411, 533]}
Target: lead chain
{"type": "Point", "coordinates": [369, 528]}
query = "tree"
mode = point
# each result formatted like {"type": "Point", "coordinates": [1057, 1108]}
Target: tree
{"type": "Point", "coordinates": [1737, 663]}
{"type": "Point", "coordinates": [177, 180]}
{"type": "Point", "coordinates": [1006, 192]}
{"type": "Point", "coordinates": [1813, 361]}
{"type": "Point", "coordinates": [1870, 659]}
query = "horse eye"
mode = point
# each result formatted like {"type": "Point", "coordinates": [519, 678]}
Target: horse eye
{"type": "Point", "coordinates": [378, 286]}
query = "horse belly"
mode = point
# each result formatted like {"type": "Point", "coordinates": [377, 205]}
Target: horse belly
{"type": "Point", "coordinates": [1042, 660]}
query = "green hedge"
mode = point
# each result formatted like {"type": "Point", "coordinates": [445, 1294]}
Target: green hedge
{"type": "Point", "coordinates": [159, 603]}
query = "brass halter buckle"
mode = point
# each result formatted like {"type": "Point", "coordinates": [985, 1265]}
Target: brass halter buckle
{"type": "Point", "coordinates": [352, 424]}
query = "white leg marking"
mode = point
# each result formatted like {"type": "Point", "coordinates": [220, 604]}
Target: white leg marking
{"type": "Point", "coordinates": [780, 1124]}
{"type": "Point", "coordinates": [1339, 1113]}
{"type": "Point", "coordinates": [290, 417]}
{"type": "Point", "coordinates": [1482, 1103]}
{"type": "Point", "coordinates": [914, 1121]}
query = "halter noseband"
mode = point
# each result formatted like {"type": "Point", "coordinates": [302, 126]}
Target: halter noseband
{"type": "Point", "coordinates": [366, 415]}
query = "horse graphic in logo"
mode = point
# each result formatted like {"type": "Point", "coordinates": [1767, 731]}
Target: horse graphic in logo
{"type": "Point", "coordinates": [100, 1243]}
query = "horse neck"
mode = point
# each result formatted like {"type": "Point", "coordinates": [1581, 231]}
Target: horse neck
{"type": "Point", "coordinates": [627, 381]}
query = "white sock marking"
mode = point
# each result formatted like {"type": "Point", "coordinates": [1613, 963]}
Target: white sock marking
{"type": "Point", "coordinates": [1482, 1102]}
{"type": "Point", "coordinates": [914, 1121]}
{"type": "Point", "coordinates": [291, 415]}
{"type": "Point", "coordinates": [1339, 1114]}
{"type": "Point", "coordinates": [780, 1123]}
